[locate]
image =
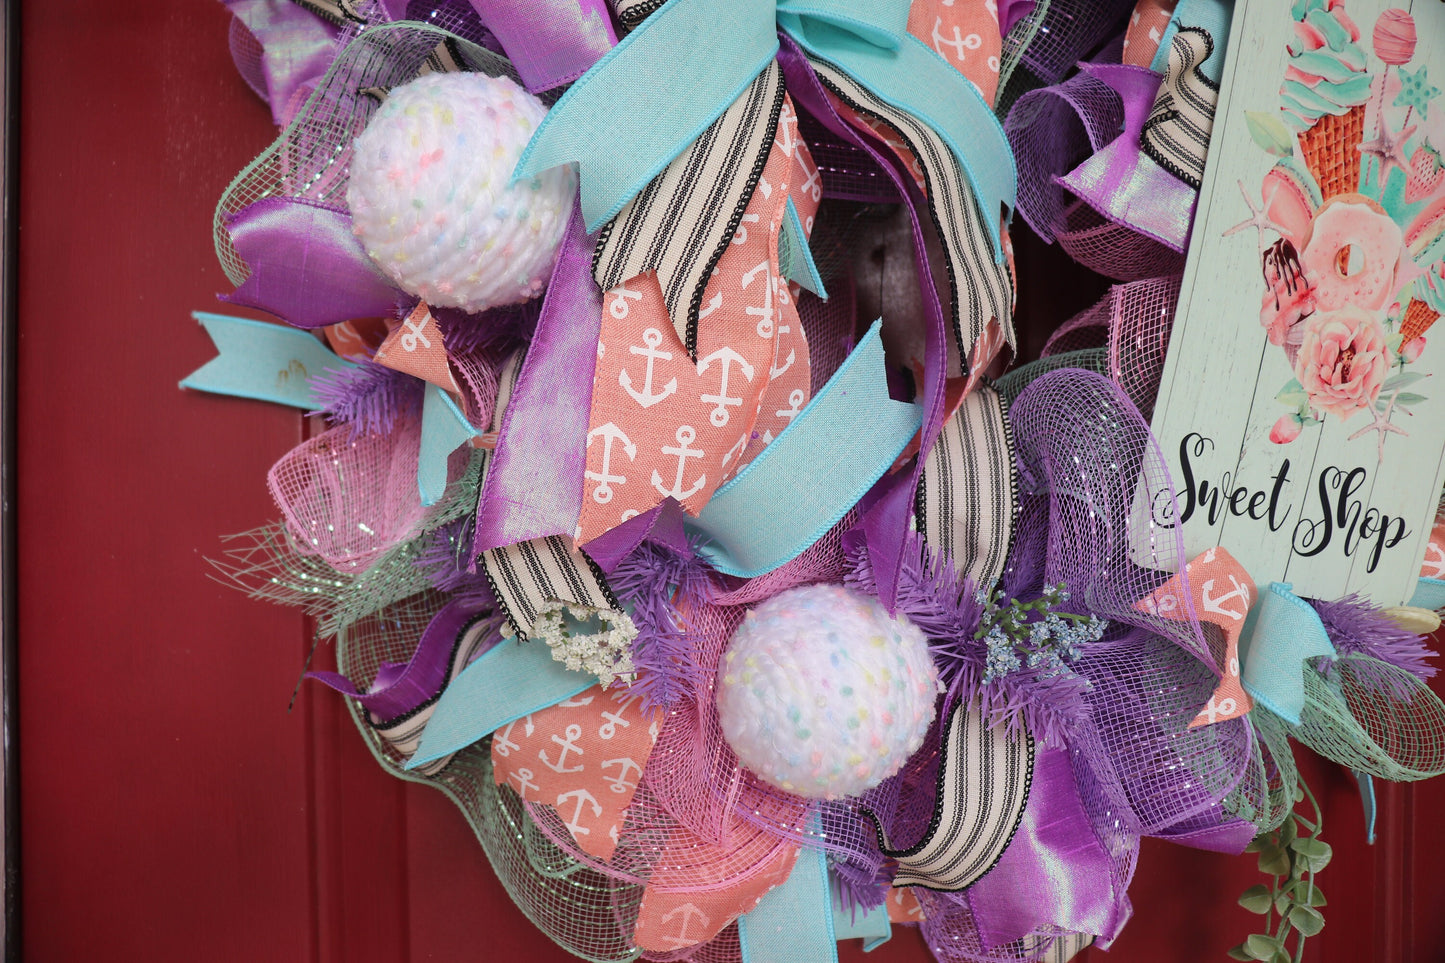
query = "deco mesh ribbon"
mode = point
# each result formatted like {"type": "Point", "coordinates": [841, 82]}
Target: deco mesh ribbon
{"type": "Point", "coordinates": [531, 529]}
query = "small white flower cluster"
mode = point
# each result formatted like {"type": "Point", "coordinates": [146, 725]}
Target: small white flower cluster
{"type": "Point", "coordinates": [606, 654]}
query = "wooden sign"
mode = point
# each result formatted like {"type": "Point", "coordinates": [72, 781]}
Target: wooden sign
{"type": "Point", "coordinates": [1302, 408]}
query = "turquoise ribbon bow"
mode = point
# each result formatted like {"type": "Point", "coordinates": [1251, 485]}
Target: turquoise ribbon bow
{"type": "Point", "coordinates": [1285, 630]}
{"type": "Point", "coordinates": [265, 362]}
{"type": "Point", "coordinates": [511, 680]}
{"type": "Point", "coordinates": [651, 96]}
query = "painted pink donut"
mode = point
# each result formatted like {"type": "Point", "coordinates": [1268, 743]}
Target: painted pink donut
{"type": "Point", "coordinates": [1351, 255]}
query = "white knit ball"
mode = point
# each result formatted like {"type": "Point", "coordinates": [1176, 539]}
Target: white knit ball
{"type": "Point", "coordinates": [822, 693]}
{"type": "Point", "coordinates": [429, 196]}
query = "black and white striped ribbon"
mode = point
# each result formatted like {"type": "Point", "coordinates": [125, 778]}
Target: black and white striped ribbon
{"type": "Point", "coordinates": [981, 289]}
{"type": "Point", "coordinates": [1176, 135]}
{"type": "Point", "coordinates": [527, 576]}
{"type": "Point", "coordinates": [968, 492]}
{"type": "Point", "coordinates": [683, 220]}
{"type": "Point", "coordinates": [337, 12]}
{"type": "Point", "coordinates": [984, 778]}
{"type": "Point", "coordinates": [1065, 948]}
{"type": "Point", "coordinates": [405, 731]}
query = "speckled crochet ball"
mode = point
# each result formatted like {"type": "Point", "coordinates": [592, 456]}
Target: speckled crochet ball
{"type": "Point", "coordinates": [824, 694]}
{"type": "Point", "coordinates": [429, 196]}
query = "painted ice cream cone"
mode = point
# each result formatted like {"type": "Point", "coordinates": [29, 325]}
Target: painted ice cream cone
{"type": "Point", "coordinates": [1331, 151]}
{"type": "Point", "coordinates": [1418, 318]}
{"type": "Point", "coordinates": [1324, 93]}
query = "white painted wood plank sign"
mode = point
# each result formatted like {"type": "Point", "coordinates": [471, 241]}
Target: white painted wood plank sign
{"type": "Point", "coordinates": [1302, 407]}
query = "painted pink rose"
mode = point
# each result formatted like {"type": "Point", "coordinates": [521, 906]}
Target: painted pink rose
{"type": "Point", "coordinates": [1286, 430]}
{"type": "Point", "coordinates": [1411, 352]}
{"type": "Point", "coordinates": [1343, 360]}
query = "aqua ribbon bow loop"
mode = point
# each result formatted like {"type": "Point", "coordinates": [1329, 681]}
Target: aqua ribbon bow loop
{"type": "Point", "coordinates": [1287, 632]}
{"type": "Point", "coordinates": [643, 103]}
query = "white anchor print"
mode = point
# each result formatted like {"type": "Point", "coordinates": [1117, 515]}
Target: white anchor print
{"type": "Point", "coordinates": [569, 745]}
{"type": "Point", "coordinates": [1216, 605]}
{"type": "Point", "coordinates": [502, 743]}
{"type": "Point", "coordinates": [602, 494]}
{"type": "Point", "coordinates": [621, 295]}
{"type": "Point", "coordinates": [523, 779]}
{"type": "Point", "coordinates": [686, 435]}
{"type": "Point", "coordinates": [795, 401]}
{"type": "Point", "coordinates": [619, 782]}
{"type": "Point", "coordinates": [727, 356]}
{"type": "Point", "coordinates": [583, 798]}
{"type": "Point", "coordinates": [764, 314]}
{"type": "Point", "coordinates": [688, 912]}
{"type": "Point", "coordinates": [646, 398]}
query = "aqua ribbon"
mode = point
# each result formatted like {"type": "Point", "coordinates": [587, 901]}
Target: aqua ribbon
{"type": "Point", "coordinates": [795, 255]}
{"type": "Point", "coordinates": [1286, 631]}
{"type": "Point", "coordinates": [826, 459]}
{"type": "Point", "coordinates": [794, 921]}
{"type": "Point", "coordinates": [648, 98]}
{"type": "Point", "coordinates": [264, 362]}
{"type": "Point", "coordinates": [510, 680]}
{"type": "Point", "coordinates": [444, 429]}
{"type": "Point", "coordinates": [1429, 594]}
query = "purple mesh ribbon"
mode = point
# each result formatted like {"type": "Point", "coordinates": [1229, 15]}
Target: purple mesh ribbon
{"type": "Point", "coordinates": [1124, 184]}
{"type": "Point", "coordinates": [1052, 130]}
{"type": "Point", "coordinates": [550, 42]}
{"type": "Point", "coordinates": [1070, 29]}
{"type": "Point", "coordinates": [307, 268]}
{"type": "Point", "coordinates": [297, 47]}
{"type": "Point", "coordinates": [534, 483]}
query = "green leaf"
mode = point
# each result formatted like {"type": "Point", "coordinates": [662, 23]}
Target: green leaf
{"type": "Point", "coordinates": [1288, 832]}
{"type": "Point", "coordinates": [1257, 843]}
{"type": "Point", "coordinates": [1256, 899]}
{"type": "Point", "coordinates": [1239, 953]}
{"type": "Point", "coordinates": [1261, 947]}
{"type": "Point", "coordinates": [1292, 394]}
{"type": "Point", "coordinates": [1408, 398]}
{"type": "Point", "coordinates": [1401, 381]}
{"type": "Point", "coordinates": [1282, 903]}
{"type": "Point", "coordinates": [1316, 898]}
{"type": "Point", "coordinates": [1274, 862]}
{"type": "Point", "coordinates": [1316, 854]}
{"type": "Point", "coordinates": [1269, 132]}
{"type": "Point", "coordinates": [1280, 956]}
{"type": "Point", "coordinates": [1308, 920]}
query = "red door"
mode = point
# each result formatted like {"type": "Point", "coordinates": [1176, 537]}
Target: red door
{"type": "Point", "coordinates": [172, 808]}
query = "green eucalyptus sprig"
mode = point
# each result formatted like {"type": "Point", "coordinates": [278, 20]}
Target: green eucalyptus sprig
{"type": "Point", "coordinates": [1291, 856]}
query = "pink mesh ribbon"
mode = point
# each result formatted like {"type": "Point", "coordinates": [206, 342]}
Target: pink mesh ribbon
{"type": "Point", "coordinates": [349, 499]}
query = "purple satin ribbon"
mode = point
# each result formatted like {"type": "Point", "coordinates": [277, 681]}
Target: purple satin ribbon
{"type": "Point", "coordinates": [1011, 12]}
{"type": "Point", "coordinates": [297, 47]}
{"type": "Point", "coordinates": [1054, 873]}
{"type": "Point", "coordinates": [403, 688]}
{"type": "Point", "coordinates": [534, 483]}
{"type": "Point", "coordinates": [1214, 831]}
{"type": "Point", "coordinates": [662, 524]}
{"type": "Point", "coordinates": [1124, 184]}
{"type": "Point", "coordinates": [307, 268]}
{"type": "Point", "coordinates": [550, 42]}
{"type": "Point", "coordinates": [885, 523]}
